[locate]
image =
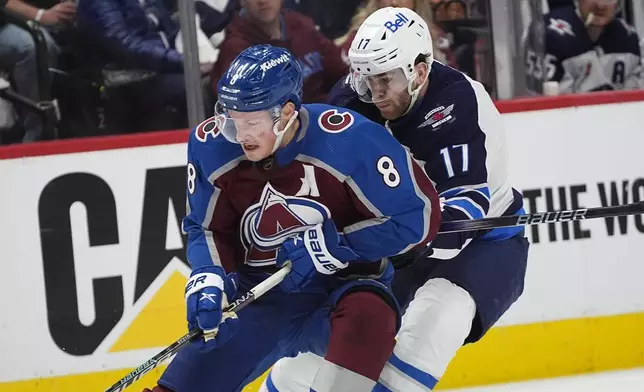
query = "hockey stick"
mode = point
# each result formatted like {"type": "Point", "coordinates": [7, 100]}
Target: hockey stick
{"type": "Point", "coordinates": [446, 227]}
{"type": "Point", "coordinates": [542, 217]}
{"type": "Point", "coordinates": [172, 349]}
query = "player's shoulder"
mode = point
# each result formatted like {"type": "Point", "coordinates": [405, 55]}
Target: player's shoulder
{"type": "Point", "coordinates": [342, 137]}
{"type": "Point", "coordinates": [624, 37]}
{"type": "Point", "coordinates": [625, 28]}
{"type": "Point", "coordinates": [451, 96]}
{"type": "Point", "coordinates": [341, 92]}
{"type": "Point", "coordinates": [208, 147]}
{"type": "Point", "coordinates": [337, 124]}
{"type": "Point", "coordinates": [447, 81]}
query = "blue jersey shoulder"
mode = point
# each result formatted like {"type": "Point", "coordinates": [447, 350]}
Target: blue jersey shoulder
{"type": "Point", "coordinates": [343, 138]}
{"type": "Point", "coordinates": [208, 148]}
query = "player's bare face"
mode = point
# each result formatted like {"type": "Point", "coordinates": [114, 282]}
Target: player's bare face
{"type": "Point", "coordinates": [389, 95]}
{"type": "Point", "coordinates": [395, 105]}
{"type": "Point", "coordinates": [254, 132]}
{"type": "Point", "coordinates": [265, 11]}
{"type": "Point", "coordinates": [603, 11]}
{"type": "Point", "coordinates": [388, 91]}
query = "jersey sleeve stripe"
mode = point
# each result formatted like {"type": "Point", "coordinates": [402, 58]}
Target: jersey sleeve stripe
{"type": "Point", "coordinates": [365, 224]}
{"type": "Point", "coordinates": [482, 188]}
{"type": "Point", "coordinates": [476, 197]}
{"type": "Point", "coordinates": [212, 249]}
{"type": "Point", "coordinates": [446, 254]}
{"type": "Point", "coordinates": [363, 199]}
{"type": "Point", "coordinates": [225, 169]}
{"type": "Point", "coordinates": [475, 209]}
{"type": "Point", "coordinates": [466, 206]}
{"type": "Point", "coordinates": [342, 178]}
{"type": "Point", "coordinates": [427, 204]}
{"type": "Point", "coordinates": [316, 162]}
{"type": "Point", "coordinates": [211, 208]}
{"type": "Point", "coordinates": [183, 221]}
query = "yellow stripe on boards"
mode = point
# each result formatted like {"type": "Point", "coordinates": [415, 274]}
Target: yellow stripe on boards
{"type": "Point", "coordinates": [159, 323]}
{"type": "Point", "coordinates": [550, 349]}
{"type": "Point", "coordinates": [510, 353]}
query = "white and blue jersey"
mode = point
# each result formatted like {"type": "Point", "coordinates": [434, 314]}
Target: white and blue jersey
{"type": "Point", "coordinates": [612, 62]}
{"type": "Point", "coordinates": [458, 133]}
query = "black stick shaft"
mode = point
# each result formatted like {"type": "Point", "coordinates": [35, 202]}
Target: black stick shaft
{"type": "Point", "coordinates": [542, 217]}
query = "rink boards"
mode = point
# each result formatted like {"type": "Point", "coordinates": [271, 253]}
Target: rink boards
{"type": "Point", "coordinates": [93, 273]}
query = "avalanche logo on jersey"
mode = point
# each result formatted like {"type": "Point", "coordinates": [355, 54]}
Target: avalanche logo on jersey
{"type": "Point", "coordinates": [208, 127]}
{"type": "Point", "coordinates": [272, 220]}
{"type": "Point", "coordinates": [437, 117]}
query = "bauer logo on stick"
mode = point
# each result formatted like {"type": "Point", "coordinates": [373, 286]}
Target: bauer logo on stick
{"type": "Point", "coordinates": [552, 217]}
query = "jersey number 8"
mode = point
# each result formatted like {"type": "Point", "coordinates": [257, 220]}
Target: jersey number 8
{"type": "Point", "coordinates": [390, 175]}
{"type": "Point", "coordinates": [192, 178]}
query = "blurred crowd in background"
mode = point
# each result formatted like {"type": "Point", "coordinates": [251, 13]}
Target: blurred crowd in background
{"type": "Point", "coordinates": [101, 67]}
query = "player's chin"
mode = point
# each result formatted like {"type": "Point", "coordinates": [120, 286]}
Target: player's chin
{"type": "Point", "coordinates": [389, 111]}
{"type": "Point", "coordinates": [254, 152]}
{"type": "Point", "coordinates": [602, 21]}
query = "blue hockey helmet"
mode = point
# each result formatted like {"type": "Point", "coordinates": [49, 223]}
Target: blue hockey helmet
{"type": "Point", "coordinates": [261, 78]}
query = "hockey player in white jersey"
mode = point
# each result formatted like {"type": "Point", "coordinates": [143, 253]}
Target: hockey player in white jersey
{"type": "Point", "coordinates": [586, 48]}
{"type": "Point", "coordinates": [450, 123]}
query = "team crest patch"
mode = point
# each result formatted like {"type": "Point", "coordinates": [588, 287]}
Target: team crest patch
{"type": "Point", "coordinates": [561, 26]}
{"type": "Point", "coordinates": [436, 117]}
{"type": "Point", "coordinates": [208, 127]}
{"type": "Point", "coordinates": [333, 121]}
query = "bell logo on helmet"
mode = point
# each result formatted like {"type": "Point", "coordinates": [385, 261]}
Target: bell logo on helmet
{"type": "Point", "coordinates": [400, 21]}
{"type": "Point", "coordinates": [272, 63]}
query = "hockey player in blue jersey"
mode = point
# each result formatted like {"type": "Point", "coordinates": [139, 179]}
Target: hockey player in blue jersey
{"type": "Point", "coordinates": [271, 180]}
{"type": "Point", "coordinates": [583, 48]}
{"type": "Point", "coordinates": [450, 123]}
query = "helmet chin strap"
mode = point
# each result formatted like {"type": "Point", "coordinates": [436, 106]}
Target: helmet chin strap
{"type": "Point", "coordinates": [414, 93]}
{"type": "Point", "coordinates": [280, 134]}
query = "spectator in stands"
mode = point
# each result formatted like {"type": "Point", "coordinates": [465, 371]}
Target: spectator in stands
{"type": "Point", "coordinates": [135, 41]}
{"type": "Point", "coordinates": [586, 49]}
{"type": "Point", "coordinates": [455, 38]}
{"type": "Point", "coordinates": [264, 22]}
{"type": "Point", "coordinates": [420, 6]}
{"type": "Point", "coordinates": [333, 17]}
{"type": "Point", "coordinates": [18, 54]}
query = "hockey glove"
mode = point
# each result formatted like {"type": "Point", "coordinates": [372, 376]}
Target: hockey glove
{"type": "Point", "coordinates": [207, 293]}
{"type": "Point", "coordinates": [318, 250]}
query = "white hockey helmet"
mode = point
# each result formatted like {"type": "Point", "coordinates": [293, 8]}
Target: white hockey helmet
{"type": "Point", "coordinates": [390, 39]}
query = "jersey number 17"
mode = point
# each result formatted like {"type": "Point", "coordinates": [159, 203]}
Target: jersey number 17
{"type": "Point", "coordinates": [445, 152]}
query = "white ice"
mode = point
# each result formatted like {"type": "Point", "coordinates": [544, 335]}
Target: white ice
{"type": "Point", "coordinates": [619, 381]}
